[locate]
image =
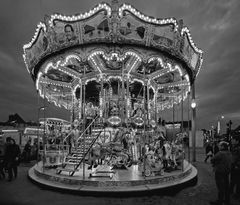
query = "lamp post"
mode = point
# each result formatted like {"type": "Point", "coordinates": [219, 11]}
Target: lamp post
{"type": "Point", "coordinates": [219, 124]}
{"type": "Point", "coordinates": [193, 106]}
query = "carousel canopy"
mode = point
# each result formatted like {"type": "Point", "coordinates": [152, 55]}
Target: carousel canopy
{"type": "Point", "coordinates": [112, 42]}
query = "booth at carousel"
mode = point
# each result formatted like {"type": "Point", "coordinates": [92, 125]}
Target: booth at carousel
{"type": "Point", "coordinates": [52, 150]}
{"type": "Point", "coordinates": [117, 71]}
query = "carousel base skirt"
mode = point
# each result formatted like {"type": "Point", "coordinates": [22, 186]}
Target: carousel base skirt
{"type": "Point", "coordinates": [117, 181]}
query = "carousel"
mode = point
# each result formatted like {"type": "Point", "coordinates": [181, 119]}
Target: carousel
{"type": "Point", "coordinates": [116, 70]}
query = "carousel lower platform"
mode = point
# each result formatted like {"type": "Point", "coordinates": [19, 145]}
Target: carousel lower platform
{"type": "Point", "coordinates": [119, 181]}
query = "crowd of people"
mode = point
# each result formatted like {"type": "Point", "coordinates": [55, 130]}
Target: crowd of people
{"type": "Point", "coordinates": [225, 159]}
{"type": "Point", "coordinates": [12, 156]}
{"type": "Point", "coordinates": [10, 159]}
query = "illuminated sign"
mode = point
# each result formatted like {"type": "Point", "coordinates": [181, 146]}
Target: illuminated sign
{"type": "Point", "coordinates": [114, 120]}
{"type": "Point", "coordinates": [9, 130]}
{"type": "Point", "coordinates": [173, 126]}
{"type": "Point", "coordinates": [33, 131]}
{"type": "Point", "coordinates": [138, 121]}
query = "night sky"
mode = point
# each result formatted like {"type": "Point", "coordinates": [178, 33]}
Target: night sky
{"type": "Point", "coordinates": [214, 25]}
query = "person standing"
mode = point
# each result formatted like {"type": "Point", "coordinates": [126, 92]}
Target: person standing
{"type": "Point", "coordinates": [235, 172]}
{"type": "Point", "coordinates": [27, 151]}
{"type": "Point", "coordinates": [222, 163]}
{"type": "Point", "coordinates": [11, 157]}
{"type": "Point", "coordinates": [209, 152]}
{"type": "Point", "coordinates": [215, 148]}
{"type": "Point", "coordinates": [2, 174]}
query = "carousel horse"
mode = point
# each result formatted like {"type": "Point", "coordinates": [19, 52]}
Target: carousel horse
{"type": "Point", "coordinates": [179, 142]}
{"type": "Point", "coordinates": [111, 152]}
{"type": "Point", "coordinates": [173, 154]}
{"type": "Point", "coordinates": [153, 164]}
{"type": "Point", "coordinates": [168, 150]}
{"type": "Point", "coordinates": [166, 154]}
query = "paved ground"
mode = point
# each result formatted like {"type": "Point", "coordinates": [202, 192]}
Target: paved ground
{"type": "Point", "coordinates": [21, 191]}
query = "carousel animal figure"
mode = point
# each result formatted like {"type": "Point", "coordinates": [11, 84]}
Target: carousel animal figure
{"type": "Point", "coordinates": [113, 152]}
{"type": "Point", "coordinates": [179, 142]}
{"type": "Point", "coordinates": [166, 154]}
{"type": "Point", "coordinates": [153, 164]}
{"type": "Point", "coordinates": [173, 154]}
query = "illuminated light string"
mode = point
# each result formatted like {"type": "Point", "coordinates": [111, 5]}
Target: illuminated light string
{"type": "Point", "coordinates": [108, 9]}
{"type": "Point", "coordinates": [114, 120]}
{"type": "Point", "coordinates": [76, 82]}
{"type": "Point", "coordinates": [167, 68]}
{"type": "Point", "coordinates": [111, 56]}
{"type": "Point", "coordinates": [38, 78]}
{"type": "Point", "coordinates": [169, 105]}
{"type": "Point", "coordinates": [200, 64]}
{"type": "Point", "coordinates": [54, 100]}
{"type": "Point", "coordinates": [90, 58]}
{"type": "Point", "coordinates": [39, 27]}
{"type": "Point", "coordinates": [178, 99]}
{"type": "Point", "coordinates": [56, 84]}
{"type": "Point", "coordinates": [59, 63]}
{"type": "Point", "coordinates": [172, 85]}
{"type": "Point", "coordinates": [73, 74]}
{"type": "Point", "coordinates": [114, 77]}
{"type": "Point", "coordinates": [137, 80]}
{"type": "Point", "coordinates": [81, 16]}
{"type": "Point", "coordinates": [64, 63]}
{"type": "Point", "coordinates": [69, 57]}
{"type": "Point", "coordinates": [135, 63]}
{"type": "Point", "coordinates": [91, 79]}
{"type": "Point", "coordinates": [56, 66]}
{"type": "Point", "coordinates": [119, 57]}
{"type": "Point", "coordinates": [147, 18]}
{"type": "Point", "coordinates": [25, 61]}
{"type": "Point", "coordinates": [29, 45]}
{"type": "Point", "coordinates": [158, 59]}
{"type": "Point", "coordinates": [74, 90]}
{"type": "Point", "coordinates": [154, 90]}
{"type": "Point", "coordinates": [101, 105]}
{"type": "Point", "coordinates": [61, 95]}
{"type": "Point", "coordinates": [186, 31]}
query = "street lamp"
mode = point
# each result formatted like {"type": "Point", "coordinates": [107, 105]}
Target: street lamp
{"type": "Point", "coordinates": [193, 104]}
{"type": "Point", "coordinates": [219, 124]}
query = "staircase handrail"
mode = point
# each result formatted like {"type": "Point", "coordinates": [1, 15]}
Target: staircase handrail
{"type": "Point", "coordinates": [87, 127]}
{"type": "Point", "coordinates": [65, 138]}
{"type": "Point", "coordinates": [85, 154]}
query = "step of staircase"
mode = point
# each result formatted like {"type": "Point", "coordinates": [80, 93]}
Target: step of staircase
{"type": "Point", "coordinates": [74, 159]}
{"type": "Point", "coordinates": [69, 170]}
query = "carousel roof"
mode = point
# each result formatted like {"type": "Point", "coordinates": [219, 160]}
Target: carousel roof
{"type": "Point", "coordinates": [112, 42]}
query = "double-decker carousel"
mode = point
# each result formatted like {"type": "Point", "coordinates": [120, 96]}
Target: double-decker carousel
{"type": "Point", "coordinates": [116, 70]}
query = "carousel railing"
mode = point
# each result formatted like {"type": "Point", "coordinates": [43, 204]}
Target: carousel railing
{"type": "Point", "coordinates": [53, 154]}
{"type": "Point", "coordinates": [85, 153]}
{"type": "Point", "coordinates": [68, 135]}
{"type": "Point", "coordinates": [89, 130]}
{"type": "Point", "coordinates": [84, 147]}
{"type": "Point", "coordinates": [92, 124]}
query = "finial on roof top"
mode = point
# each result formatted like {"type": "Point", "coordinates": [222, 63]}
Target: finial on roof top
{"type": "Point", "coordinates": [115, 5]}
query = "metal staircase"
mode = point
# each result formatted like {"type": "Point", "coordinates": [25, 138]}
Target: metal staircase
{"type": "Point", "coordinates": [78, 154]}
